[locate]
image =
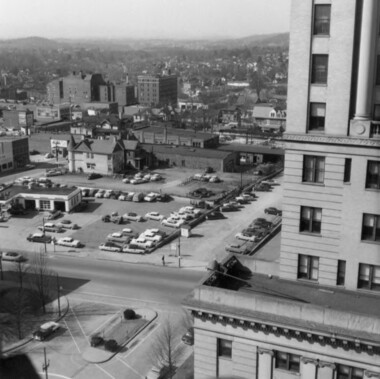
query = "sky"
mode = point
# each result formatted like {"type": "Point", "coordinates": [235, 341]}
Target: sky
{"type": "Point", "coordinates": [175, 19]}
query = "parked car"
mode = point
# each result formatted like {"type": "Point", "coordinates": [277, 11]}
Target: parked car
{"type": "Point", "coordinates": [67, 225]}
{"type": "Point", "coordinates": [163, 198]}
{"type": "Point", "coordinates": [154, 216]}
{"type": "Point", "coordinates": [214, 179]}
{"type": "Point", "coordinates": [106, 218]}
{"type": "Point", "coordinates": [50, 228]}
{"type": "Point", "coordinates": [46, 330]}
{"type": "Point", "coordinates": [127, 231]}
{"type": "Point", "coordinates": [12, 256]}
{"type": "Point", "coordinates": [155, 177]}
{"type": "Point", "coordinates": [263, 187]}
{"type": "Point", "coordinates": [182, 216]}
{"type": "Point", "coordinates": [151, 236]}
{"type": "Point", "coordinates": [49, 156]}
{"type": "Point", "coordinates": [172, 223]}
{"type": "Point", "coordinates": [132, 216]}
{"type": "Point", "coordinates": [151, 197]}
{"type": "Point", "coordinates": [92, 192]}
{"type": "Point", "coordinates": [118, 237]}
{"type": "Point", "coordinates": [142, 242]}
{"type": "Point", "coordinates": [133, 249]}
{"type": "Point", "coordinates": [246, 237]}
{"type": "Point", "coordinates": [54, 214]}
{"type": "Point", "coordinates": [273, 211]}
{"type": "Point", "coordinates": [237, 248]}
{"type": "Point", "coordinates": [108, 194]}
{"type": "Point", "coordinates": [85, 192]}
{"type": "Point", "coordinates": [241, 200]}
{"type": "Point", "coordinates": [39, 237]}
{"type": "Point", "coordinates": [137, 197]}
{"type": "Point", "coordinates": [110, 246]}
{"type": "Point", "coordinates": [262, 222]}
{"type": "Point", "coordinates": [271, 182]}
{"type": "Point", "coordinates": [188, 337]}
{"type": "Point", "coordinates": [93, 176]}
{"type": "Point", "coordinates": [68, 241]}
{"type": "Point", "coordinates": [53, 173]}
{"type": "Point", "coordinates": [228, 208]}
{"type": "Point", "coordinates": [216, 215]}
{"type": "Point", "coordinates": [100, 193]}
{"type": "Point", "coordinates": [34, 152]}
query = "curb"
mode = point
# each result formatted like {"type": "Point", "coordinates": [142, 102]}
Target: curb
{"type": "Point", "coordinates": [30, 339]}
{"type": "Point", "coordinates": [124, 344]}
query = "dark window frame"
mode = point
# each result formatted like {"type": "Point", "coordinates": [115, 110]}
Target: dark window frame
{"type": "Point", "coordinates": [287, 361]}
{"type": "Point", "coordinates": [373, 179]}
{"type": "Point", "coordinates": [224, 348]}
{"type": "Point", "coordinates": [322, 21]}
{"type": "Point", "coordinates": [311, 224]}
{"type": "Point", "coordinates": [347, 170]}
{"type": "Point", "coordinates": [341, 273]}
{"type": "Point", "coordinates": [348, 372]}
{"type": "Point", "coordinates": [312, 171]}
{"type": "Point", "coordinates": [371, 232]}
{"type": "Point", "coordinates": [307, 271]}
{"type": "Point", "coordinates": [371, 283]}
{"type": "Point", "coordinates": [319, 68]}
{"type": "Point", "coordinates": [316, 122]}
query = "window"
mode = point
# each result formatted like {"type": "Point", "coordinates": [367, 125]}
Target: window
{"type": "Point", "coordinates": [376, 112]}
{"type": "Point", "coordinates": [347, 170]}
{"type": "Point", "coordinates": [91, 165]}
{"type": "Point", "coordinates": [346, 372]}
{"type": "Point", "coordinates": [44, 204]}
{"type": "Point", "coordinates": [322, 14]}
{"type": "Point", "coordinates": [319, 69]}
{"type": "Point", "coordinates": [308, 267]}
{"type": "Point", "coordinates": [4, 166]}
{"type": "Point", "coordinates": [341, 273]}
{"type": "Point", "coordinates": [371, 227]}
{"type": "Point", "coordinates": [224, 348]}
{"type": "Point", "coordinates": [313, 169]}
{"type": "Point", "coordinates": [286, 361]}
{"type": "Point", "coordinates": [378, 70]}
{"type": "Point", "coordinates": [373, 175]}
{"type": "Point", "coordinates": [311, 220]}
{"type": "Point", "coordinates": [369, 277]}
{"type": "Point", "coordinates": [317, 117]}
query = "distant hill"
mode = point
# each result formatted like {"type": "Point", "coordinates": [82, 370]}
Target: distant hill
{"type": "Point", "coordinates": [29, 43]}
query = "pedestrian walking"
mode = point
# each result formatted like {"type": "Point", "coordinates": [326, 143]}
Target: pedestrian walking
{"type": "Point", "coordinates": [163, 260]}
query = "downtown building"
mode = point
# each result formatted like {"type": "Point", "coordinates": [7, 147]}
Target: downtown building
{"type": "Point", "coordinates": [157, 90]}
{"type": "Point", "coordinates": [316, 314]}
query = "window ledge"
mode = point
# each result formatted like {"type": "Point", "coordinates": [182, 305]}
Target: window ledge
{"type": "Point", "coordinates": [372, 189]}
{"type": "Point", "coordinates": [288, 372]}
{"type": "Point", "coordinates": [371, 242]}
{"type": "Point", "coordinates": [346, 183]}
{"type": "Point", "coordinates": [319, 84]}
{"type": "Point", "coordinates": [314, 184]}
{"type": "Point", "coordinates": [310, 281]}
{"type": "Point", "coordinates": [311, 234]}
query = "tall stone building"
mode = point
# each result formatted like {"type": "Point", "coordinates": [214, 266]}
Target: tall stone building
{"type": "Point", "coordinates": [317, 317]}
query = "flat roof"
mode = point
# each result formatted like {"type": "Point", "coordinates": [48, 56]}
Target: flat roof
{"type": "Point", "coordinates": [254, 149]}
{"type": "Point", "coordinates": [178, 132]}
{"type": "Point", "coordinates": [299, 304]}
{"type": "Point", "coordinates": [16, 190]}
{"type": "Point", "coordinates": [185, 151]}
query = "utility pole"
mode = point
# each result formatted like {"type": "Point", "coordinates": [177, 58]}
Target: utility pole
{"type": "Point", "coordinates": [58, 296]}
{"type": "Point", "coordinates": [45, 365]}
{"type": "Point", "coordinates": [1, 267]}
{"type": "Point", "coordinates": [43, 227]}
{"type": "Point", "coordinates": [179, 251]}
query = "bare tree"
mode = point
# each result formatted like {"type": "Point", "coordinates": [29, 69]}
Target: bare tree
{"type": "Point", "coordinates": [21, 269]}
{"type": "Point", "coordinates": [163, 348]}
{"type": "Point", "coordinates": [41, 276]}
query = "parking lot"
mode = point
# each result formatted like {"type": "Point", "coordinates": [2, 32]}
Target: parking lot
{"type": "Point", "coordinates": [207, 242]}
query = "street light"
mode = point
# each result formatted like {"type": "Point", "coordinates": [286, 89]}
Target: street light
{"type": "Point", "coordinates": [59, 296]}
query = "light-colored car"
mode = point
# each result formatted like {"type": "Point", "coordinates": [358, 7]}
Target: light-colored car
{"type": "Point", "coordinates": [150, 236]}
{"type": "Point", "coordinates": [67, 226]}
{"type": "Point", "coordinates": [45, 330]}
{"type": "Point", "coordinates": [53, 215]}
{"type": "Point", "coordinates": [155, 177]}
{"type": "Point", "coordinates": [143, 242]}
{"type": "Point", "coordinates": [68, 241]}
{"type": "Point", "coordinates": [191, 210]}
{"type": "Point", "coordinates": [118, 237]}
{"type": "Point", "coordinates": [154, 216]}
{"type": "Point", "coordinates": [214, 179]}
{"type": "Point", "coordinates": [132, 216]}
{"type": "Point", "coordinates": [133, 249]}
{"type": "Point", "coordinates": [110, 246]}
{"type": "Point", "coordinates": [52, 229]}
{"type": "Point", "coordinates": [136, 181]}
{"type": "Point", "coordinates": [108, 194]}
{"type": "Point", "coordinates": [172, 223]}
{"type": "Point", "coordinates": [152, 196]}
{"type": "Point", "coordinates": [127, 231]}
{"type": "Point", "coordinates": [181, 216]}
{"type": "Point", "coordinates": [100, 193]}
{"type": "Point", "coordinates": [12, 256]}
{"type": "Point", "coordinates": [246, 237]}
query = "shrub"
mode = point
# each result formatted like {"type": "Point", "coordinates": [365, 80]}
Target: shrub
{"type": "Point", "coordinates": [111, 345]}
{"type": "Point", "coordinates": [129, 314]}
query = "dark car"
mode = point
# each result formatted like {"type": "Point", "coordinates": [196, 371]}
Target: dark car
{"type": "Point", "coordinates": [228, 208]}
{"type": "Point", "coordinates": [188, 337]}
{"type": "Point", "coordinates": [106, 218]}
{"type": "Point", "coordinates": [46, 330]}
{"type": "Point", "coordinates": [39, 237]}
{"type": "Point", "coordinates": [216, 215]}
{"type": "Point", "coordinates": [34, 152]}
{"type": "Point", "coordinates": [273, 211]}
{"type": "Point", "coordinates": [263, 187]}
{"type": "Point", "coordinates": [261, 222]}
{"type": "Point", "coordinates": [94, 175]}
{"type": "Point", "coordinates": [96, 341]}
{"type": "Point", "coordinates": [163, 198]}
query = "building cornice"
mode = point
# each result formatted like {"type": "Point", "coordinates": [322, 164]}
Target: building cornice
{"type": "Point", "coordinates": [333, 340]}
{"type": "Point", "coordinates": [331, 140]}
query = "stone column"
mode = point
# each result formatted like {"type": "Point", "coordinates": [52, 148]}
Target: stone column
{"type": "Point", "coordinates": [326, 370]}
{"type": "Point", "coordinates": [367, 58]}
{"type": "Point", "coordinates": [265, 363]}
{"type": "Point", "coordinates": [309, 368]}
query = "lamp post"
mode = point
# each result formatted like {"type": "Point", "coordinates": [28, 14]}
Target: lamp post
{"type": "Point", "coordinates": [59, 296]}
{"type": "Point", "coordinates": [46, 364]}
{"type": "Point", "coordinates": [1, 267]}
{"type": "Point", "coordinates": [44, 234]}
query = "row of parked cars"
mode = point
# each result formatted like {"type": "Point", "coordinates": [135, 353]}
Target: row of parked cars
{"type": "Point", "coordinates": [207, 178]}
{"type": "Point", "coordinates": [140, 178]}
{"type": "Point", "coordinates": [124, 196]}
